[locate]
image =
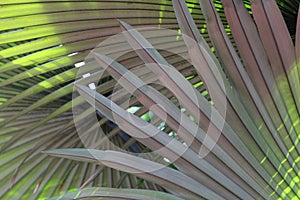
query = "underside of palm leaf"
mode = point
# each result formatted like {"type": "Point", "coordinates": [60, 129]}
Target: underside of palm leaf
{"type": "Point", "coordinates": [222, 113]}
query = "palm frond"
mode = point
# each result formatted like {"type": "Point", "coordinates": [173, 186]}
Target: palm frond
{"type": "Point", "coordinates": [222, 114]}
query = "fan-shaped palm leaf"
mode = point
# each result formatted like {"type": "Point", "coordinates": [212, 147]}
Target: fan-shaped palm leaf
{"type": "Point", "coordinates": [246, 129]}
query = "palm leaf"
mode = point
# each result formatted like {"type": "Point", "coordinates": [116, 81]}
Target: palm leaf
{"type": "Point", "coordinates": [250, 145]}
{"type": "Point", "coordinates": [143, 168]}
{"type": "Point", "coordinates": [111, 193]}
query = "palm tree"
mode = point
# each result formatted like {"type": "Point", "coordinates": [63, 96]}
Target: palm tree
{"type": "Point", "coordinates": [218, 119]}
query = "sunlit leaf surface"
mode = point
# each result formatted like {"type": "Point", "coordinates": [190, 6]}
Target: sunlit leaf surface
{"type": "Point", "coordinates": [246, 61]}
